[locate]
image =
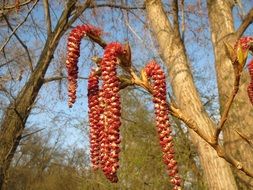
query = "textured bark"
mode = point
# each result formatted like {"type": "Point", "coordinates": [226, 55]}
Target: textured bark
{"type": "Point", "coordinates": [18, 111]}
{"type": "Point", "coordinates": [241, 114]}
{"type": "Point", "coordinates": [217, 172]}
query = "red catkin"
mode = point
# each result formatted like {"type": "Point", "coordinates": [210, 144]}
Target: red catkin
{"type": "Point", "coordinates": [110, 137]}
{"type": "Point", "coordinates": [154, 71]}
{"type": "Point", "coordinates": [245, 43]}
{"type": "Point", "coordinates": [94, 116]}
{"type": "Point", "coordinates": [73, 53]}
{"type": "Point", "coordinates": [250, 87]}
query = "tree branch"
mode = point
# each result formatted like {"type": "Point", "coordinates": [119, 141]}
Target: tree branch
{"type": "Point", "coordinates": [12, 7]}
{"type": "Point", "coordinates": [245, 23]}
{"type": "Point", "coordinates": [227, 107]}
{"type": "Point", "coordinates": [123, 7]}
{"type": "Point", "coordinates": [183, 19]}
{"type": "Point", "coordinates": [51, 79]}
{"type": "Point", "coordinates": [244, 137]}
{"type": "Point", "coordinates": [176, 112]}
{"type": "Point", "coordinates": [21, 42]}
{"type": "Point", "coordinates": [175, 16]}
{"type": "Point", "coordinates": [48, 17]}
{"type": "Point", "coordinates": [18, 26]}
{"type": "Point", "coordinates": [29, 134]}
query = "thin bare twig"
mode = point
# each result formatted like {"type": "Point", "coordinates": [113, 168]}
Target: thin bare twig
{"type": "Point", "coordinates": [244, 137]}
{"type": "Point", "coordinates": [21, 42]}
{"type": "Point", "coordinates": [29, 134]}
{"type": "Point", "coordinates": [123, 7]}
{"type": "Point", "coordinates": [228, 105]}
{"type": "Point", "coordinates": [12, 7]}
{"type": "Point", "coordinates": [18, 26]}
{"type": "Point", "coordinates": [51, 79]}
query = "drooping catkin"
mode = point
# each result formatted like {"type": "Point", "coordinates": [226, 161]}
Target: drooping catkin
{"type": "Point", "coordinates": [112, 111]}
{"type": "Point", "coordinates": [154, 71]}
{"type": "Point", "coordinates": [94, 116]}
{"type": "Point", "coordinates": [73, 53]}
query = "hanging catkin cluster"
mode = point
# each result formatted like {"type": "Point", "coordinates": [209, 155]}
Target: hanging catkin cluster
{"type": "Point", "coordinates": [112, 111]}
{"type": "Point", "coordinates": [250, 87]}
{"type": "Point", "coordinates": [73, 53]}
{"type": "Point", "coordinates": [104, 104]}
{"type": "Point", "coordinates": [94, 116]}
{"type": "Point", "coordinates": [154, 71]}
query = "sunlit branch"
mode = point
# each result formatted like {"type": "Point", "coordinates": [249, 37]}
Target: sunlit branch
{"type": "Point", "coordinates": [228, 105]}
{"type": "Point", "coordinates": [176, 112]}
{"type": "Point", "coordinates": [48, 17]}
{"type": "Point", "coordinates": [245, 23]}
{"type": "Point", "coordinates": [175, 16]}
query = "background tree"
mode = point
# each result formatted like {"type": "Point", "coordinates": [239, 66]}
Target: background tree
{"type": "Point", "coordinates": [175, 25]}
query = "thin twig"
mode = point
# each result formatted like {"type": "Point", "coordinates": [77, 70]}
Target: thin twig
{"type": "Point", "coordinates": [18, 26]}
{"type": "Point", "coordinates": [12, 7]}
{"type": "Point", "coordinates": [51, 79]}
{"type": "Point", "coordinates": [228, 105]}
{"type": "Point", "coordinates": [244, 137]}
{"type": "Point", "coordinates": [21, 42]}
{"type": "Point", "coordinates": [29, 134]}
{"type": "Point", "coordinates": [123, 7]}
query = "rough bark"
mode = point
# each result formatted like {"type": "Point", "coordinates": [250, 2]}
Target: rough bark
{"type": "Point", "coordinates": [217, 172]}
{"type": "Point", "coordinates": [240, 117]}
{"type": "Point", "coordinates": [18, 111]}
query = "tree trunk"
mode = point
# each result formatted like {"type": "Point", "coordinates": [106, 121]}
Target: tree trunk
{"type": "Point", "coordinates": [217, 172]}
{"type": "Point", "coordinates": [18, 111]}
{"type": "Point", "coordinates": [240, 116]}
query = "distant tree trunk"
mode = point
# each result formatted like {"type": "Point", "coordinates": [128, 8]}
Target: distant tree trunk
{"type": "Point", "coordinates": [18, 111]}
{"type": "Point", "coordinates": [217, 172]}
{"type": "Point", "coordinates": [241, 114]}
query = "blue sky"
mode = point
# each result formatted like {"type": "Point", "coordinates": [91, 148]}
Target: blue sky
{"type": "Point", "coordinates": [72, 122]}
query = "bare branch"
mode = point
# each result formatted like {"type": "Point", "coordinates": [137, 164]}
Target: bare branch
{"type": "Point", "coordinates": [175, 16]}
{"type": "Point", "coordinates": [123, 7]}
{"type": "Point", "coordinates": [21, 42]}
{"type": "Point", "coordinates": [244, 137]}
{"type": "Point", "coordinates": [48, 17]}
{"type": "Point", "coordinates": [228, 105]}
{"type": "Point", "coordinates": [29, 134]}
{"type": "Point", "coordinates": [245, 23]}
{"type": "Point", "coordinates": [77, 11]}
{"type": "Point", "coordinates": [183, 19]}
{"type": "Point", "coordinates": [51, 79]}
{"type": "Point", "coordinates": [18, 26]}
{"type": "Point", "coordinates": [5, 9]}
{"type": "Point", "coordinates": [176, 112]}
